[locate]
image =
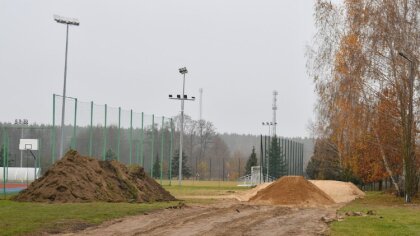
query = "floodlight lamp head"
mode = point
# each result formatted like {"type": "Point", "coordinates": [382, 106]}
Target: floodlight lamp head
{"type": "Point", "coordinates": [183, 70]}
{"type": "Point", "coordinates": [66, 20]}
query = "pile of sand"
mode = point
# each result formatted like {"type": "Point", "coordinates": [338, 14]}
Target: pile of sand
{"type": "Point", "coordinates": [292, 190]}
{"type": "Point", "coordinates": [82, 179]}
{"type": "Point", "coordinates": [341, 192]}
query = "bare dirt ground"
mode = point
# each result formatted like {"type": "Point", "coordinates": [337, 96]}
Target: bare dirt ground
{"type": "Point", "coordinates": [225, 217]}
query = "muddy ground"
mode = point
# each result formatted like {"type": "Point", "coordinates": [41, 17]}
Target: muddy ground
{"type": "Point", "coordinates": [225, 217]}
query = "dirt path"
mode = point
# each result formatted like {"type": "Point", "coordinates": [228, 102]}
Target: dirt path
{"type": "Point", "coordinates": [227, 217]}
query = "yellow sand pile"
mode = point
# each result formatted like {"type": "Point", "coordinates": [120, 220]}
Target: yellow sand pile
{"type": "Point", "coordinates": [292, 190]}
{"type": "Point", "coordinates": [341, 192]}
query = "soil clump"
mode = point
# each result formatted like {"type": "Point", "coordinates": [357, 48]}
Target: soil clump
{"type": "Point", "coordinates": [76, 178]}
{"type": "Point", "coordinates": [292, 190]}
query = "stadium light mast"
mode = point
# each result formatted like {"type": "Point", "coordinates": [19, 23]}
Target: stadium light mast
{"type": "Point", "coordinates": [67, 21]}
{"type": "Point", "coordinates": [184, 97]}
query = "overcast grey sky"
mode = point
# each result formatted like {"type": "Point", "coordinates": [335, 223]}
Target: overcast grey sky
{"type": "Point", "coordinates": [127, 53]}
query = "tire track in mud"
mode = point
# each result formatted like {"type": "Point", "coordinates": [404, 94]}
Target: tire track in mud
{"type": "Point", "coordinates": [224, 218]}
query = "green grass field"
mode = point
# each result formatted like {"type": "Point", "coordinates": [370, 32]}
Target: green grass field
{"type": "Point", "coordinates": [191, 188]}
{"type": "Point", "coordinates": [18, 218]}
{"type": "Point", "coordinates": [392, 217]}
{"type": "Point", "coordinates": [24, 217]}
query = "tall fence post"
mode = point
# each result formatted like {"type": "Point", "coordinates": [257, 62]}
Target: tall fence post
{"type": "Point", "coordinates": [301, 158]}
{"type": "Point", "coordinates": [153, 144]}
{"type": "Point", "coordinates": [294, 157]}
{"type": "Point", "coordinates": [171, 153]}
{"type": "Point", "coordinates": [105, 134]}
{"type": "Point", "coordinates": [73, 143]}
{"type": "Point", "coordinates": [131, 135]}
{"type": "Point", "coordinates": [142, 140]}
{"type": "Point", "coordinates": [37, 161]}
{"type": "Point", "coordinates": [6, 156]}
{"type": "Point", "coordinates": [4, 163]}
{"type": "Point", "coordinates": [91, 129]}
{"type": "Point", "coordinates": [53, 133]}
{"type": "Point", "coordinates": [119, 134]}
{"type": "Point", "coordinates": [137, 149]}
{"type": "Point", "coordinates": [161, 149]}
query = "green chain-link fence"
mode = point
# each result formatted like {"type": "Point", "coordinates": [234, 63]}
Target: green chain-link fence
{"type": "Point", "coordinates": [98, 131]}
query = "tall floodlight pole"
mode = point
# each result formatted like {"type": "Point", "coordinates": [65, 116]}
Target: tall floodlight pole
{"type": "Point", "coordinates": [409, 161]}
{"type": "Point", "coordinates": [184, 97]}
{"type": "Point", "coordinates": [67, 22]}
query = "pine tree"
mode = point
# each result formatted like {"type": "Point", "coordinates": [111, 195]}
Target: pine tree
{"type": "Point", "coordinates": [156, 167]}
{"type": "Point", "coordinates": [186, 171]}
{"type": "Point", "coordinates": [277, 165]}
{"type": "Point", "coordinates": [110, 155]}
{"type": "Point", "coordinates": [252, 161]}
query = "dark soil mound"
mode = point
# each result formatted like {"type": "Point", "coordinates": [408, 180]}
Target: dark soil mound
{"type": "Point", "coordinates": [292, 190]}
{"type": "Point", "coordinates": [82, 179]}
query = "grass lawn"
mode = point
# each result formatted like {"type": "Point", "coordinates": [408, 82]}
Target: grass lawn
{"type": "Point", "coordinates": [24, 217]}
{"type": "Point", "coordinates": [392, 217]}
{"type": "Point", "coordinates": [191, 188]}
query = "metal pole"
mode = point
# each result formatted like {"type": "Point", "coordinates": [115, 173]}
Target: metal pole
{"type": "Point", "coordinates": [171, 153]}
{"type": "Point", "coordinates": [38, 160]}
{"type": "Point", "coordinates": [301, 158]}
{"type": "Point", "coordinates": [91, 129]}
{"type": "Point", "coordinates": [64, 95]}
{"type": "Point", "coordinates": [268, 157]}
{"type": "Point", "coordinates": [73, 146]}
{"type": "Point", "coordinates": [261, 158]}
{"type": "Point", "coordinates": [131, 136]}
{"type": "Point", "coordinates": [53, 133]}
{"type": "Point", "coordinates": [153, 145]}
{"type": "Point", "coordinates": [4, 163]}
{"type": "Point", "coordinates": [105, 134]}
{"type": "Point", "coordinates": [142, 140]}
{"type": "Point", "coordinates": [161, 149]}
{"type": "Point", "coordinates": [181, 133]}
{"type": "Point", "coordinates": [7, 157]}
{"type": "Point", "coordinates": [21, 152]}
{"type": "Point", "coordinates": [265, 152]}
{"type": "Point", "coordinates": [119, 134]}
